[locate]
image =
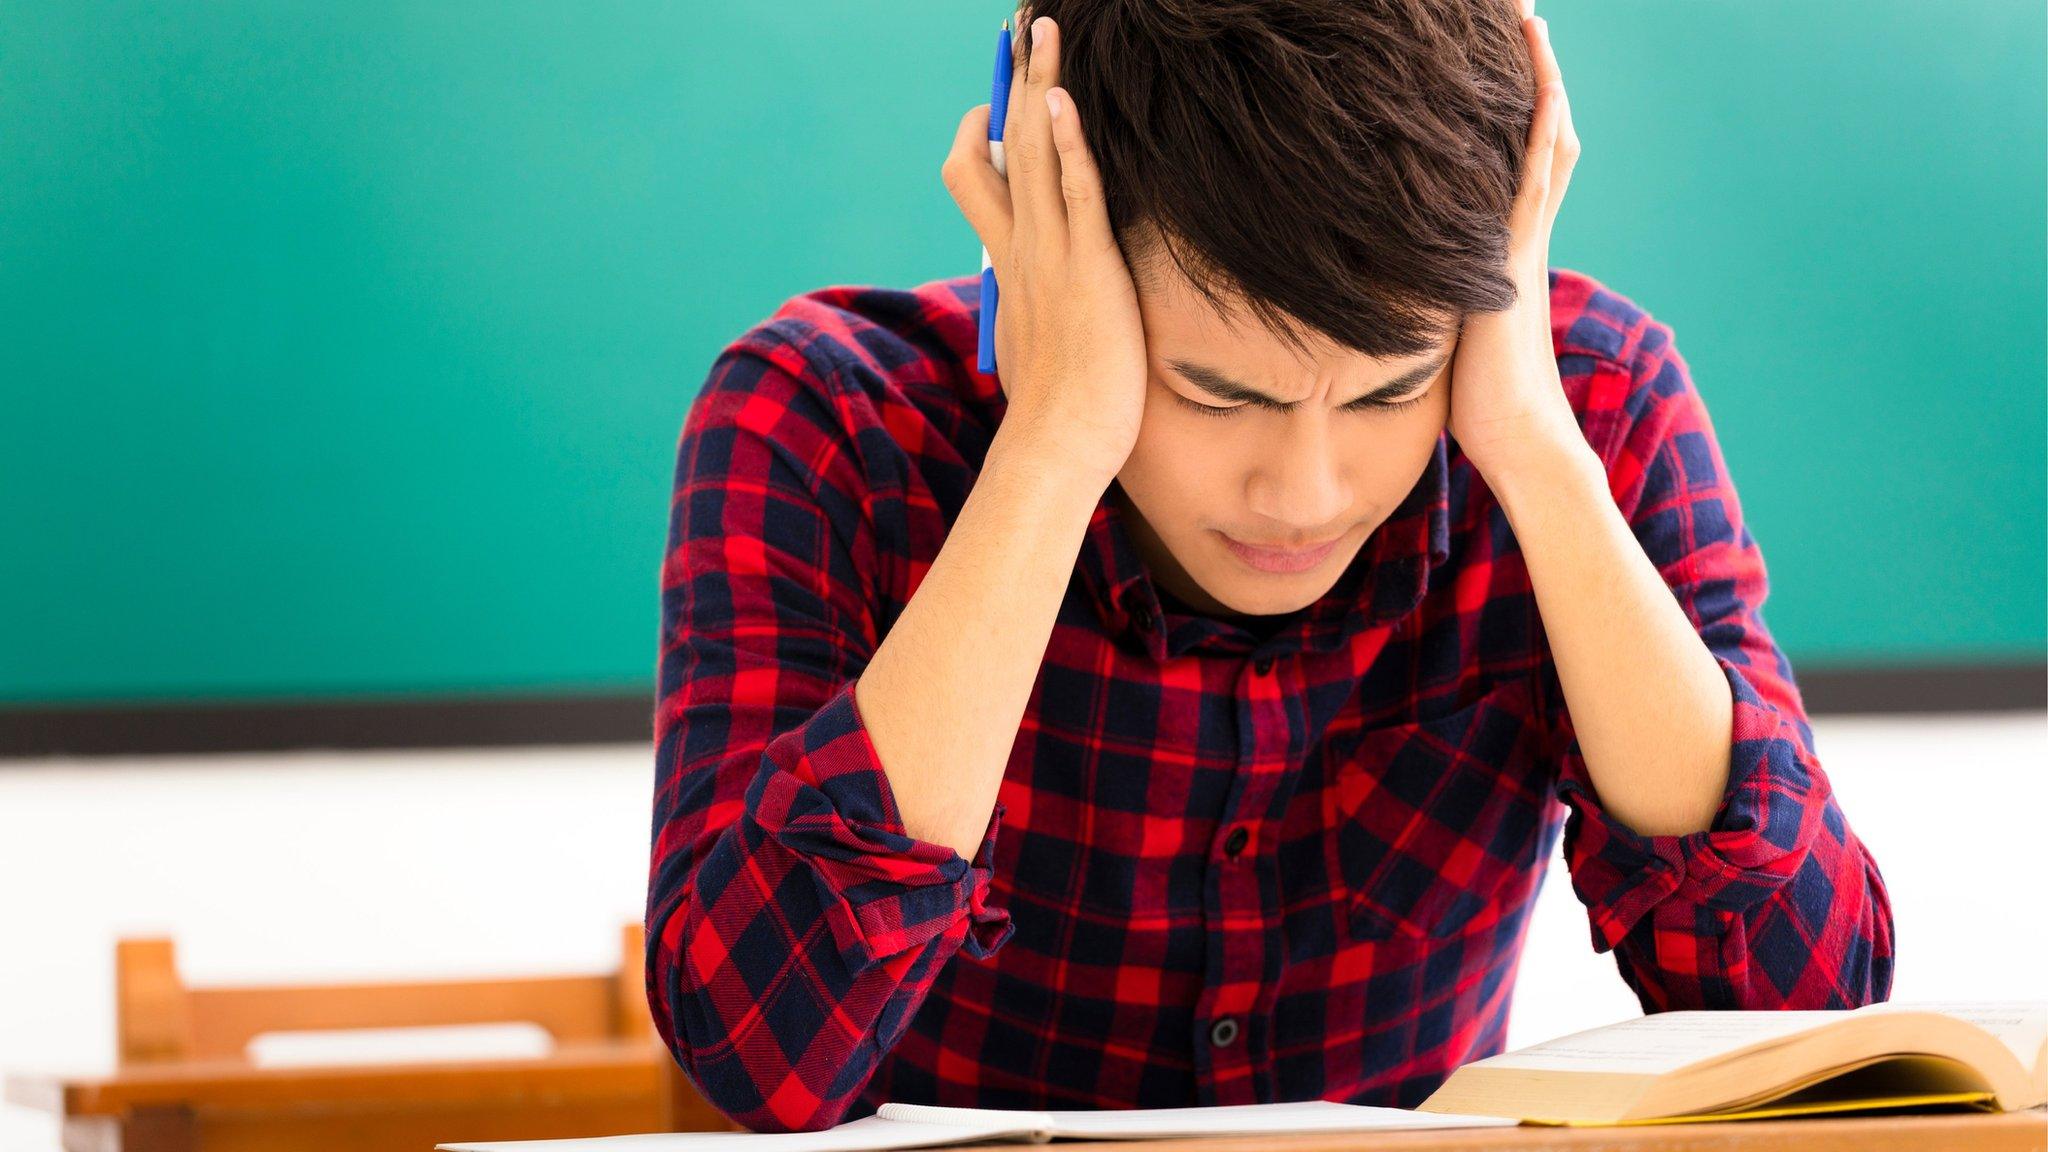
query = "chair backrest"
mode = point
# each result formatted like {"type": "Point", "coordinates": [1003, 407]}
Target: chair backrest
{"type": "Point", "coordinates": [160, 1018]}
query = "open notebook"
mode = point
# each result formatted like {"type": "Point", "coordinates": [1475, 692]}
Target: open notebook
{"type": "Point", "coordinates": [918, 1125]}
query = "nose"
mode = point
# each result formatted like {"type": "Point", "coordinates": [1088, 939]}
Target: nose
{"type": "Point", "coordinates": [1303, 485]}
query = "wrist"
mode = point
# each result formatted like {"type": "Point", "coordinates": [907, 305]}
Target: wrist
{"type": "Point", "coordinates": [1038, 463]}
{"type": "Point", "coordinates": [1546, 472]}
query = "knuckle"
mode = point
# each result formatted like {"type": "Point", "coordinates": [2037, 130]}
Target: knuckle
{"type": "Point", "coordinates": [1022, 155]}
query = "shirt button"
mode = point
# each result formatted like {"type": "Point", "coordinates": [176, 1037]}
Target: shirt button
{"type": "Point", "coordinates": [1234, 843]}
{"type": "Point", "coordinates": [1223, 1032]}
{"type": "Point", "coordinates": [1263, 665]}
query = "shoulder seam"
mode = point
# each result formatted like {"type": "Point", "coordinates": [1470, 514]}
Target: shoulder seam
{"type": "Point", "coordinates": [785, 331]}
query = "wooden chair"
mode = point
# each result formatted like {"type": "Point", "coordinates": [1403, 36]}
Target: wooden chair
{"type": "Point", "coordinates": [185, 1082]}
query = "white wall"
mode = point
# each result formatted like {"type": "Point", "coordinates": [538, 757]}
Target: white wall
{"type": "Point", "coordinates": [331, 866]}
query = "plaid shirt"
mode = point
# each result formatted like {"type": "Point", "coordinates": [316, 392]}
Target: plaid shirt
{"type": "Point", "coordinates": [1224, 866]}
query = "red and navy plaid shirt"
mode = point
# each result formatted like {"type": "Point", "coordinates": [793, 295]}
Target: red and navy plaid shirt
{"type": "Point", "coordinates": [1225, 866]}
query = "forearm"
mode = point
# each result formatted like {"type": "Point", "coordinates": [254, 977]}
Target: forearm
{"type": "Point", "coordinates": [744, 1025]}
{"type": "Point", "coordinates": [946, 690]}
{"type": "Point", "coordinates": [1650, 705]}
{"type": "Point", "coordinates": [1702, 835]}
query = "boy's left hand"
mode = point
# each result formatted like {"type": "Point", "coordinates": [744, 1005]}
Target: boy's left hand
{"type": "Point", "coordinates": [1507, 400]}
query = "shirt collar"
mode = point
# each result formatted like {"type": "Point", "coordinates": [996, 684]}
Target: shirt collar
{"type": "Point", "coordinates": [1384, 582]}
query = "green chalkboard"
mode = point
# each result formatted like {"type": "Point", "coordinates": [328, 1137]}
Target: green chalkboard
{"type": "Point", "coordinates": [346, 344]}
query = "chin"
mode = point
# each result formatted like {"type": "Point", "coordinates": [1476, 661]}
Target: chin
{"type": "Point", "coordinates": [1274, 594]}
{"type": "Point", "coordinates": [1276, 602]}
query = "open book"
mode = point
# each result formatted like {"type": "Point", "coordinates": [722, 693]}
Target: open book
{"type": "Point", "coordinates": [1673, 1067]}
{"type": "Point", "coordinates": [917, 1125]}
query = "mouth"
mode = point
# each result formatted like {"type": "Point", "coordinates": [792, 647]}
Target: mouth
{"type": "Point", "coordinates": [1268, 559]}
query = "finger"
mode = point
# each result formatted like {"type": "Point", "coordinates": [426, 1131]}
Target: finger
{"type": "Point", "coordinates": [1013, 120]}
{"type": "Point", "coordinates": [1080, 182]}
{"type": "Point", "coordinates": [1034, 163]}
{"type": "Point", "coordinates": [1533, 197]}
{"type": "Point", "coordinates": [1539, 154]}
{"type": "Point", "coordinates": [1548, 72]}
{"type": "Point", "coordinates": [1536, 30]}
{"type": "Point", "coordinates": [1020, 58]}
{"type": "Point", "coordinates": [1565, 143]}
{"type": "Point", "coordinates": [980, 191]}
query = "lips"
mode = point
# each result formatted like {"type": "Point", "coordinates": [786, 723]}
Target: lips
{"type": "Point", "coordinates": [1288, 549]}
{"type": "Point", "coordinates": [1268, 559]}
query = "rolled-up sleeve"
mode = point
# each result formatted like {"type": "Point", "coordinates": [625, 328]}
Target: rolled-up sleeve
{"type": "Point", "coordinates": [1777, 903]}
{"type": "Point", "coordinates": [793, 925]}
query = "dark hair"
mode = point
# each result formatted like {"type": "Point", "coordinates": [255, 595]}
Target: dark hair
{"type": "Point", "coordinates": [1345, 165]}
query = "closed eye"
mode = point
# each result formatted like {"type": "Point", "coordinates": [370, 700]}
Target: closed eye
{"type": "Point", "coordinates": [1354, 406]}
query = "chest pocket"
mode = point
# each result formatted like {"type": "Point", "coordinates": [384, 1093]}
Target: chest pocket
{"type": "Point", "coordinates": [1438, 820]}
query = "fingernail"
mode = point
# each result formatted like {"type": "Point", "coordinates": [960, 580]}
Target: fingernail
{"type": "Point", "coordinates": [1543, 27]}
{"type": "Point", "coordinates": [1038, 30]}
{"type": "Point", "coordinates": [1052, 102]}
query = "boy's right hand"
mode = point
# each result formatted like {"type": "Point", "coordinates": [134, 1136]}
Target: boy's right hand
{"type": "Point", "coordinates": [1070, 343]}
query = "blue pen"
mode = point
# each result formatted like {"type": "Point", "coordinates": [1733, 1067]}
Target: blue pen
{"type": "Point", "coordinates": [998, 110]}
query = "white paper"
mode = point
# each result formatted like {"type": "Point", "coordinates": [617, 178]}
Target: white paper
{"type": "Point", "coordinates": [891, 1127]}
{"type": "Point", "coordinates": [1215, 1120]}
{"type": "Point", "coordinates": [1235, 1119]}
{"type": "Point", "coordinates": [863, 1135]}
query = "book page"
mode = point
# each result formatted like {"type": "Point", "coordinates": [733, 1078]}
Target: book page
{"type": "Point", "coordinates": [2021, 1025]}
{"type": "Point", "coordinates": [867, 1134]}
{"type": "Point", "coordinates": [1216, 1120]}
{"type": "Point", "coordinates": [1253, 1119]}
{"type": "Point", "coordinates": [1661, 1041]}
{"type": "Point", "coordinates": [1007, 1119]}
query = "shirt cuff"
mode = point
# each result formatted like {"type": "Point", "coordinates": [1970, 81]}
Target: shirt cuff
{"type": "Point", "coordinates": [821, 793]}
{"type": "Point", "coordinates": [1774, 804]}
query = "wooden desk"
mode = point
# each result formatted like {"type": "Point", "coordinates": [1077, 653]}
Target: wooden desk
{"type": "Point", "coordinates": [232, 1106]}
{"type": "Point", "coordinates": [1945, 1132]}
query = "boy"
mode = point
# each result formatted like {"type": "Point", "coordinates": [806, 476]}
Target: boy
{"type": "Point", "coordinates": [1186, 714]}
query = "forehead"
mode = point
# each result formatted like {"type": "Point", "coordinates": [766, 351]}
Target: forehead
{"type": "Point", "coordinates": [1181, 323]}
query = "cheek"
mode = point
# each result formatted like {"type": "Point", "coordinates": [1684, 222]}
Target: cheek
{"type": "Point", "coordinates": [1392, 457]}
{"type": "Point", "coordinates": [1178, 466]}
{"type": "Point", "coordinates": [1163, 433]}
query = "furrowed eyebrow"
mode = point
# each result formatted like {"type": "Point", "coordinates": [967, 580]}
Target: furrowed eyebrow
{"type": "Point", "coordinates": [1224, 388]}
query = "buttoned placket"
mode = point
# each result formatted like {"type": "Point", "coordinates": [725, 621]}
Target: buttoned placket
{"type": "Point", "coordinates": [1231, 1038]}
